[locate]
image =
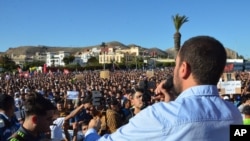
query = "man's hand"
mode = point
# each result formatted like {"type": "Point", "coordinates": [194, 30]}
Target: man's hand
{"type": "Point", "coordinates": [161, 92]}
{"type": "Point", "coordinates": [95, 123]}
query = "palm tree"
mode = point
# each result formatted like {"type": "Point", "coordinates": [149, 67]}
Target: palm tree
{"type": "Point", "coordinates": [178, 22]}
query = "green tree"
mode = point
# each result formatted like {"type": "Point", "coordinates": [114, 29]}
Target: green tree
{"type": "Point", "coordinates": [7, 63]}
{"type": "Point", "coordinates": [34, 63]}
{"type": "Point", "coordinates": [92, 61]}
{"type": "Point", "coordinates": [93, 64]}
{"type": "Point", "coordinates": [178, 22]}
{"type": "Point", "coordinates": [68, 59]}
{"type": "Point", "coordinates": [241, 57]}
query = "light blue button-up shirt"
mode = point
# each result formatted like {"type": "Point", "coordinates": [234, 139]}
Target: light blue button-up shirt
{"type": "Point", "coordinates": [198, 114]}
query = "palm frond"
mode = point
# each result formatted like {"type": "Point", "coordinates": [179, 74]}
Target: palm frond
{"type": "Point", "coordinates": [179, 21]}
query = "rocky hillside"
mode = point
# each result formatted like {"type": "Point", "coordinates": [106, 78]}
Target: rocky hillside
{"type": "Point", "coordinates": [31, 50]}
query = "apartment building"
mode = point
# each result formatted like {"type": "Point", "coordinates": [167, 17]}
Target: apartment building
{"type": "Point", "coordinates": [56, 58]}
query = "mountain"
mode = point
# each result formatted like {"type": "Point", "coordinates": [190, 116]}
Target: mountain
{"type": "Point", "coordinates": [158, 51]}
{"type": "Point", "coordinates": [31, 50]}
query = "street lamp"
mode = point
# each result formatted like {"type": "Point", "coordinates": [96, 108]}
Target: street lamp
{"type": "Point", "coordinates": [143, 57]}
{"type": "Point", "coordinates": [103, 45]}
{"type": "Point", "coordinates": [136, 62]}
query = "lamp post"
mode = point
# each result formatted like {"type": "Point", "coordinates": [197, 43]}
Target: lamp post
{"type": "Point", "coordinates": [103, 45]}
{"type": "Point", "coordinates": [136, 62]}
{"type": "Point", "coordinates": [113, 61]}
{"type": "Point", "coordinates": [143, 60]}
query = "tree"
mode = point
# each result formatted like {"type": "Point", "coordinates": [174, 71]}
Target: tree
{"type": "Point", "coordinates": [7, 63]}
{"type": "Point", "coordinates": [178, 22]}
{"type": "Point", "coordinates": [92, 61]}
{"type": "Point", "coordinates": [27, 65]}
{"type": "Point", "coordinates": [68, 59]}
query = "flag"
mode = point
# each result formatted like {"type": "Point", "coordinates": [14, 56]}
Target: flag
{"type": "Point", "coordinates": [65, 71]}
{"type": "Point", "coordinates": [26, 74]}
{"type": "Point", "coordinates": [32, 69]}
{"type": "Point", "coordinates": [51, 73]}
{"type": "Point", "coordinates": [44, 68]}
{"type": "Point", "coordinates": [19, 69]}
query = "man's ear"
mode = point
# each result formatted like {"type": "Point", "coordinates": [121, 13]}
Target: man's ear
{"type": "Point", "coordinates": [34, 119]}
{"type": "Point", "coordinates": [185, 70]}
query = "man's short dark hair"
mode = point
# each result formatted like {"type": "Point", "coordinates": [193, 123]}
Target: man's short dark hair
{"type": "Point", "coordinates": [206, 58]}
{"type": "Point", "coordinates": [136, 89]}
{"type": "Point", "coordinates": [6, 101]}
{"type": "Point", "coordinates": [37, 104]}
{"type": "Point", "coordinates": [246, 110]}
{"type": "Point", "coordinates": [87, 99]}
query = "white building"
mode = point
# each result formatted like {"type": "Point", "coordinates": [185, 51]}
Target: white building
{"type": "Point", "coordinates": [82, 58]}
{"type": "Point", "coordinates": [56, 58]}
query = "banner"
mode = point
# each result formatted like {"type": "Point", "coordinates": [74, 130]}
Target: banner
{"type": "Point", "coordinates": [150, 74]}
{"type": "Point", "coordinates": [229, 87]}
{"type": "Point", "coordinates": [65, 71]}
{"type": "Point", "coordinates": [72, 94]}
{"type": "Point", "coordinates": [104, 74]}
{"type": "Point", "coordinates": [79, 76]}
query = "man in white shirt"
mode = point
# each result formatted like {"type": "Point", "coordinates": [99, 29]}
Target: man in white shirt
{"type": "Point", "coordinates": [56, 129]}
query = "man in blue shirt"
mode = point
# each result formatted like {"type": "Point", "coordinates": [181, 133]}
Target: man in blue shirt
{"type": "Point", "coordinates": [198, 113]}
{"type": "Point", "coordinates": [8, 121]}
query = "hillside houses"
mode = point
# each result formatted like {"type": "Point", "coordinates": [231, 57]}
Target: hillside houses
{"type": "Point", "coordinates": [105, 54]}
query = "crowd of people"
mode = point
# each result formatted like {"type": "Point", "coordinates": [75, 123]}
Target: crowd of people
{"type": "Point", "coordinates": [133, 106]}
{"type": "Point", "coordinates": [123, 90]}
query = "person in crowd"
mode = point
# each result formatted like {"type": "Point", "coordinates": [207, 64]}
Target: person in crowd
{"type": "Point", "coordinates": [38, 118]}
{"type": "Point", "coordinates": [113, 118]}
{"type": "Point", "coordinates": [126, 109]}
{"type": "Point", "coordinates": [198, 113]}
{"type": "Point", "coordinates": [246, 115]}
{"type": "Point", "coordinates": [136, 102]}
{"type": "Point", "coordinates": [8, 121]}
{"type": "Point", "coordinates": [61, 107]}
{"type": "Point", "coordinates": [58, 123]}
{"type": "Point", "coordinates": [245, 101]}
{"type": "Point", "coordinates": [84, 126]}
{"type": "Point", "coordinates": [83, 115]}
{"type": "Point", "coordinates": [96, 115]}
